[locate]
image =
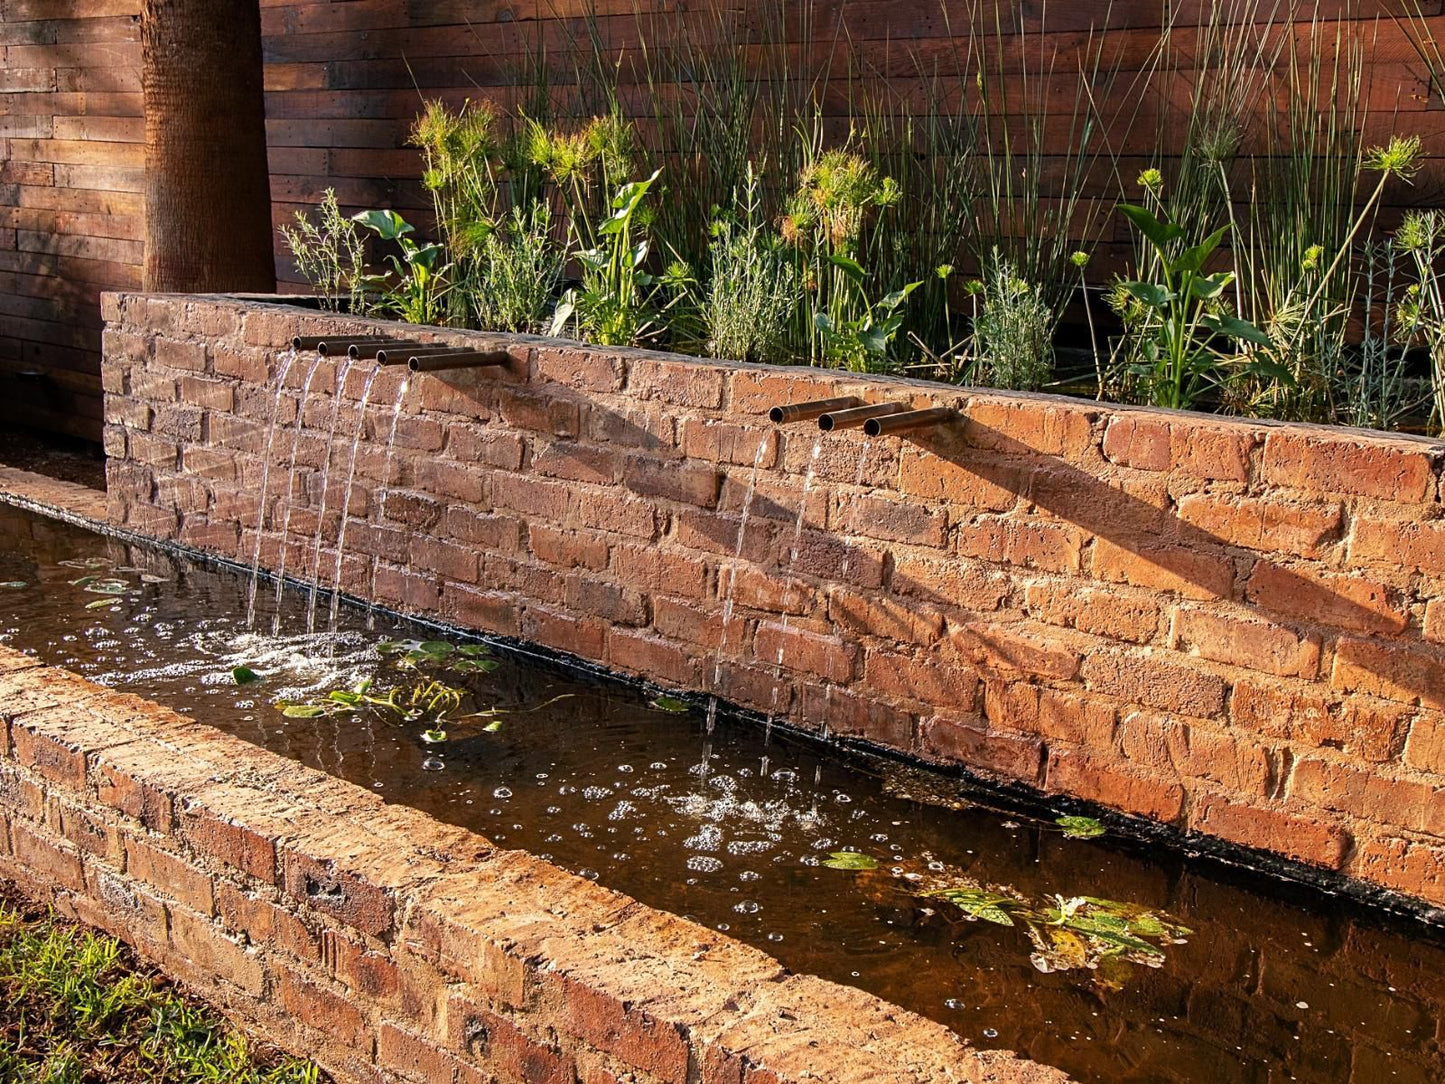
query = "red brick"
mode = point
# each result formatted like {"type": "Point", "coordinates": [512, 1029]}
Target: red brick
{"type": "Point", "coordinates": [992, 486]}
{"type": "Point", "coordinates": [228, 839]}
{"type": "Point", "coordinates": [946, 583]}
{"type": "Point", "coordinates": [50, 755]}
{"type": "Point", "coordinates": [487, 610]}
{"type": "Point", "coordinates": [1065, 431]}
{"type": "Point", "coordinates": [1416, 868]}
{"type": "Point", "coordinates": [1400, 672]}
{"type": "Point", "coordinates": [1015, 756]}
{"type": "Point", "coordinates": [501, 534]}
{"type": "Point", "coordinates": [1022, 543]}
{"type": "Point", "coordinates": [170, 875]}
{"type": "Point", "coordinates": [1139, 441]}
{"type": "Point", "coordinates": [682, 383]}
{"type": "Point", "coordinates": [1181, 570]}
{"type": "Point", "coordinates": [756, 589]}
{"type": "Point", "coordinates": [1255, 645]}
{"type": "Point", "coordinates": [458, 481]}
{"type": "Point", "coordinates": [1425, 746]}
{"type": "Point", "coordinates": [1410, 543]}
{"type": "Point", "coordinates": [1220, 452]}
{"type": "Point", "coordinates": [933, 679]}
{"type": "Point", "coordinates": [604, 600]}
{"type": "Point", "coordinates": [874, 615]}
{"type": "Point", "coordinates": [655, 658]}
{"type": "Point", "coordinates": [626, 1032]}
{"type": "Point", "coordinates": [412, 1056]}
{"type": "Point", "coordinates": [687, 482]}
{"type": "Point", "coordinates": [725, 534]}
{"type": "Point", "coordinates": [429, 435]}
{"type": "Point", "coordinates": [578, 368]}
{"type": "Point", "coordinates": [653, 569]}
{"type": "Point", "coordinates": [577, 462]}
{"type": "Point", "coordinates": [1277, 709]}
{"type": "Point", "coordinates": [793, 648]}
{"type": "Point", "coordinates": [445, 558]}
{"type": "Point", "coordinates": [317, 1007]}
{"type": "Point", "coordinates": [721, 442]}
{"type": "Point", "coordinates": [1053, 715]}
{"type": "Point", "coordinates": [263, 923]}
{"type": "Point", "coordinates": [530, 497]}
{"type": "Point", "coordinates": [756, 391]}
{"type": "Point", "coordinates": [39, 853]}
{"type": "Point", "coordinates": [814, 553]}
{"type": "Point", "coordinates": [891, 521]}
{"type": "Point", "coordinates": [845, 714]}
{"type": "Point", "coordinates": [1315, 460]}
{"type": "Point", "coordinates": [566, 549]}
{"type": "Point", "coordinates": [207, 393]}
{"type": "Point", "coordinates": [176, 354]}
{"type": "Point", "coordinates": [484, 447]}
{"type": "Point", "coordinates": [1099, 780]}
{"type": "Point", "coordinates": [1268, 526]}
{"type": "Point", "coordinates": [1150, 678]}
{"type": "Point", "coordinates": [582, 636]}
{"type": "Point", "coordinates": [1349, 602]}
{"type": "Point", "coordinates": [1002, 648]}
{"type": "Point", "coordinates": [204, 953]}
{"type": "Point", "coordinates": [610, 510]}
{"type": "Point", "coordinates": [496, 1042]}
{"type": "Point", "coordinates": [1319, 840]}
{"type": "Point", "coordinates": [539, 412]}
{"type": "Point", "coordinates": [1096, 610]}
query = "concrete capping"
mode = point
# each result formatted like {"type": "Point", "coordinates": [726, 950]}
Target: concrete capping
{"type": "Point", "coordinates": [1228, 627]}
{"type": "Point", "coordinates": [389, 946]}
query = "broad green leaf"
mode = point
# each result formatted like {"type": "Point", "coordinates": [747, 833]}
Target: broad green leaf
{"type": "Point", "coordinates": [897, 297]}
{"type": "Point", "coordinates": [1159, 234]}
{"type": "Point", "coordinates": [1150, 293]}
{"type": "Point", "coordinates": [474, 650]}
{"type": "Point", "coordinates": [388, 225]}
{"type": "Point", "coordinates": [396, 647]}
{"type": "Point", "coordinates": [103, 603]}
{"type": "Point", "coordinates": [244, 675]}
{"type": "Point", "coordinates": [670, 704]}
{"type": "Point", "coordinates": [850, 266]}
{"type": "Point", "coordinates": [850, 860]}
{"type": "Point", "coordinates": [1208, 287]}
{"type": "Point", "coordinates": [436, 649]}
{"type": "Point", "coordinates": [492, 728]}
{"type": "Point", "coordinates": [1236, 328]}
{"type": "Point", "coordinates": [433, 737]}
{"type": "Point", "coordinates": [302, 711]}
{"type": "Point", "coordinates": [1192, 259]}
{"type": "Point", "coordinates": [1080, 827]}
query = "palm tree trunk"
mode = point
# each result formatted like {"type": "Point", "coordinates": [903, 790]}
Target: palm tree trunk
{"type": "Point", "coordinates": [207, 186]}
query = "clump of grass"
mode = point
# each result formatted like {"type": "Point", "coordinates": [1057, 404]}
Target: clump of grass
{"type": "Point", "coordinates": [77, 1010]}
{"type": "Point", "coordinates": [1013, 331]}
{"type": "Point", "coordinates": [330, 253]}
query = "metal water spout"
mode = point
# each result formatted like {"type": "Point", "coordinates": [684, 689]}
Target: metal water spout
{"type": "Point", "coordinates": [346, 345]}
{"type": "Point", "coordinates": [800, 412]}
{"type": "Point", "coordinates": [361, 351]}
{"type": "Point", "coordinates": [402, 352]}
{"type": "Point", "coordinates": [907, 420]}
{"type": "Point", "coordinates": [459, 359]}
{"type": "Point", "coordinates": [856, 416]}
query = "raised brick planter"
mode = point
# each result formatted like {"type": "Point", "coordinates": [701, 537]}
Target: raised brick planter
{"type": "Point", "coordinates": [390, 947]}
{"type": "Point", "coordinates": [1232, 628]}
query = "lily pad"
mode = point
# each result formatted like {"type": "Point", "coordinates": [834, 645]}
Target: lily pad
{"type": "Point", "coordinates": [303, 711]}
{"type": "Point", "coordinates": [1080, 827]}
{"type": "Point", "coordinates": [854, 861]}
{"type": "Point", "coordinates": [244, 675]}
{"type": "Point", "coordinates": [14, 585]}
{"type": "Point", "coordinates": [434, 737]}
{"type": "Point", "coordinates": [103, 603]}
{"type": "Point", "coordinates": [671, 704]}
{"type": "Point", "coordinates": [108, 587]}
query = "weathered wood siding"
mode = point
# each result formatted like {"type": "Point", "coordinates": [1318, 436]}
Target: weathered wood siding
{"type": "Point", "coordinates": [344, 79]}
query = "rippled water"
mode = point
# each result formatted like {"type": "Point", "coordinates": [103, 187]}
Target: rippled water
{"type": "Point", "coordinates": [1262, 990]}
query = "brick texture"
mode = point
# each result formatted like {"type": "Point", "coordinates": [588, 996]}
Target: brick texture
{"type": "Point", "coordinates": [1161, 613]}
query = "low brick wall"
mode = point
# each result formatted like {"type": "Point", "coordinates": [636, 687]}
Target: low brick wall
{"type": "Point", "coordinates": [1232, 628]}
{"type": "Point", "coordinates": [391, 947]}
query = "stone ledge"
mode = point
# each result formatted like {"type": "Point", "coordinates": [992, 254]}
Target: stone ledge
{"type": "Point", "coordinates": [382, 943]}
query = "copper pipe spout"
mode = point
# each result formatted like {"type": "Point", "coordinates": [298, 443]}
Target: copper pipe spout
{"type": "Point", "coordinates": [851, 419]}
{"type": "Point", "coordinates": [909, 419]}
{"type": "Point", "coordinates": [308, 342]}
{"type": "Point", "coordinates": [401, 353]}
{"type": "Point", "coordinates": [462, 359]}
{"type": "Point", "coordinates": [800, 412]}
{"type": "Point", "coordinates": [370, 350]}
{"type": "Point", "coordinates": [344, 345]}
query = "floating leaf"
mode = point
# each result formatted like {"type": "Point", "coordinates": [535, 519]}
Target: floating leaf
{"type": "Point", "coordinates": [978, 903]}
{"type": "Point", "coordinates": [103, 603]}
{"type": "Point", "coordinates": [88, 562]}
{"type": "Point", "coordinates": [244, 675]}
{"type": "Point", "coordinates": [670, 704]}
{"type": "Point", "coordinates": [853, 861]}
{"type": "Point", "coordinates": [14, 585]}
{"type": "Point", "coordinates": [436, 649]}
{"type": "Point", "coordinates": [492, 728]}
{"type": "Point", "coordinates": [433, 737]}
{"type": "Point", "coordinates": [303, 711]}
{"type": "Point", "coordinates": [83, 581]}
{"type": "Point", "coordinates": [108, 587]}
{"type": "Point", "coordinates": [396, 647]}
{"type": "Point", "coordinates": [1080, 827]}
{"type": "Point", "coordinates": [151, 577]}
{"type": "Point", "coordinates": [474, 650]}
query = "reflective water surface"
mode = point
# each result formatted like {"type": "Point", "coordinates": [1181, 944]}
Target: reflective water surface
{"type": "Point", "coordinates": [735, 829]}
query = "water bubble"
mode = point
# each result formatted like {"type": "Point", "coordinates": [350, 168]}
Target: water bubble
{"type": "Point", "coordinates": [842, 799]}
{"type": "Point", "coordinates": [502, 792]}
{"type": "Point", "coordinates": [810, 860]}
{"type": "Point", "coordinates": [704, 863]}
{"type": "Point", "coordinates": [775, 937]}
{"type": "Point", "coordinates": [594, 793]}
{"type": "Point", "coordinates": [554, 809]}
{"type": "Point", "coordinates": [990, 1033]}
{"type": "Point", "coordinates": [658, 765]}
{"type": "Point", "coordinates": [541, 775]}
{"type": "Point", "coordinates": [879, 837]}
{"type": "Point", "coordinates": [433, 764]}
{"type": "Point", "coordinates": [747, 907]}
{"type": "Point", "coordinates": [1301, 1004]}
{"type": "Point", "coordinates": [784, 775]}
{"type": "Point", "coordinates": [952, 1003]}
{"type": "Point", "coordinates": [590, 874]}
{"type": "Point", "coordinates": [749, 875]}
{"type": "Point", "coordinates": [624, 767]}
{"type": "Point", "coordinates": [724, 927]}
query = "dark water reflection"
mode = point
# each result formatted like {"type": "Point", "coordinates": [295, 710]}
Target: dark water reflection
{"type": "Point", "coordinates": [1264, 990]}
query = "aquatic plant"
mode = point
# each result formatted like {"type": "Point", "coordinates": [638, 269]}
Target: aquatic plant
{"type": "Point", "coordinates": [1013, 330]}
{"type": "Point", "coordinates": [414, 288]}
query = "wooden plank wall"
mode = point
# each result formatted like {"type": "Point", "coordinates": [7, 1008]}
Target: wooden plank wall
{"type": "Point", "coordinates": [345, 77]}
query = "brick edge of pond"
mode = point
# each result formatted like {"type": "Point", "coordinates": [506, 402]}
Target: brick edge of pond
{"type": "Point", "coordinates": [386, 945]}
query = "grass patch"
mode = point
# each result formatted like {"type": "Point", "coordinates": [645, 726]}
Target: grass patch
{"type": "Point", "coordinates": [80, 1008]}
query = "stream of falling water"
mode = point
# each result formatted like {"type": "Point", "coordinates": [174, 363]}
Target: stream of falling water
{"type": "Point", "coordinates": [287, 360]}
{"type": "Point", "coordinates": [345, 511]}
{"type": "Point", "coordinates": [385, 492]}
{"type": "Point", "coordinates": [290, 487]}
{"type": "Point", "coordinates": [786, 572]}
{"type": "Point", "coordinates": [728, 598]}
{"type": "Point", "coordinates": [325, 492]}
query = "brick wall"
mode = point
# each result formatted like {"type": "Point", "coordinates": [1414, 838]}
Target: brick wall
{"type": "Point", "coordinates": [390, 947]}
{"type": "Point", "coordinates": [1231, 628]}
